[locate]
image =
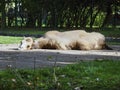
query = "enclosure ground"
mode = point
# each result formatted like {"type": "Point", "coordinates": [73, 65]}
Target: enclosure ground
{"type": "Point", "coordinates": [10, 56]}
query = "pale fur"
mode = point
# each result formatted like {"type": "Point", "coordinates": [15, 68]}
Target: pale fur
{"type": "Point", "coordinates": [76, 39]}
{"type": "Point", "coordinates": [26, 43]}
{"type": "Point", "coordinates": [93, 41]}
{"type": "Point", "coordinates": [66, 40]}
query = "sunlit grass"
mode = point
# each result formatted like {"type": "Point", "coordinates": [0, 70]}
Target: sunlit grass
{"type": "Point", "coordinates": [10, 39]}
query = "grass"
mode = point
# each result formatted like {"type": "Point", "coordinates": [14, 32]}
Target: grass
{"type": "Point", "coordinates": [25, 31]}
{"type": "Point", "coordinates": [93, 75]}
{"type": "Point", "coordinates": [31, 32]}
{"type": "Point", "coordinates": [10, 39]}
{"type": "Point", "coordinates": [7, 37]}
{"type": "Point", "coordinates": [111, 33]}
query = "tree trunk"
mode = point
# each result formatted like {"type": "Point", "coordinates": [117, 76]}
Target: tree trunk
{"type": "Point", "coordinates": [31, 20]}
{"type": "Point", "coordinates": [16, 24]}
{"type": "Point", "coordinates": [108, 15]}
{"type": "Point", "coordinates": [3, 19]}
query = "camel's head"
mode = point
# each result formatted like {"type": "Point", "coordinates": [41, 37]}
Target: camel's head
{"type": "Point", "coordinates": [26, 44]}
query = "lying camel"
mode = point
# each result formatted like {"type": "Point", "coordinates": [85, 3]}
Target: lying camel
{"type": "Point", "coordinates": [68, 40]}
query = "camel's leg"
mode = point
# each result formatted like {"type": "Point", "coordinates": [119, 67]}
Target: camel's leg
{"type": "Point", "coordinates": [61, 46]}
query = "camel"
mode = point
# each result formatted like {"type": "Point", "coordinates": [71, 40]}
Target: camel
{"type": "Point", "coordinates": [67, 40]}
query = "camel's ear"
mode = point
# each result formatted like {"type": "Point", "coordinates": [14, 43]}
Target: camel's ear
{"type": "Point", "coordinates": [29, 39]}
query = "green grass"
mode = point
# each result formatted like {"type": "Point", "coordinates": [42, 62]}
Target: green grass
{"type": "Point", "coordinates": [23, 31]}
{"type": "Point", "coordinates": [111, 33]}
{"type": "Point", "coordinates": [106, 31]}
{"type": "Point", "coordinates": [10, 39]}
{"type": "Point", "coordinates": [93, 75]}
{"type": "Point", "coordinates": [13, 39]}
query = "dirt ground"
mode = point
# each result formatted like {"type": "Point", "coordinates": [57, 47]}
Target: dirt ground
{"type": "Point", "coordinates": [11, 57]}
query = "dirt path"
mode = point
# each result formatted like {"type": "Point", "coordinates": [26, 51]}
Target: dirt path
{"type": "Point", "coordinates": [10, 56]}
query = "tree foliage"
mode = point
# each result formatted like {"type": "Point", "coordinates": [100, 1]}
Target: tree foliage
{"type": "Point", "coordinates": [63, 13]}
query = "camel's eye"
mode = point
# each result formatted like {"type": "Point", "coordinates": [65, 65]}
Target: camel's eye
{"type": "Point", "coordinates": [28, 46]}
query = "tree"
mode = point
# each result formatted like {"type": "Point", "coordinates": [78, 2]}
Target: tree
{"type": "Point", "coordinates": [60, 13]}
{"type": "Point", "coordinates": [3, 17]}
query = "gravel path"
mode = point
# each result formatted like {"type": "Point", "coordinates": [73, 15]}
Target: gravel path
{"type": "Point", "coordinates": [10, 56]}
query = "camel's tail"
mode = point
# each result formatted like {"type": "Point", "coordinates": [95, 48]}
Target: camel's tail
{"type": "Point", "coordinates": [107, 47]}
